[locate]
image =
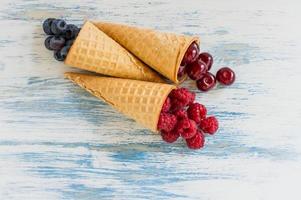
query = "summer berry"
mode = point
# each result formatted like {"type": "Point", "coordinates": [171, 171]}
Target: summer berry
{"type": "Point", "coordinates": [209, 125]}
{"type": "Point", "coordinates": [71, 31]}
{"type": "Point", "coordinates": [70, 42]}
{"type": "Point", "coordinates": [177, 103]}
{"type": "Point", "coordinates": [58, 27]}
{"type": "Point", "coordinates": [57, 55]}
{"type": "Point", "coordinates": [206, 82]}
{"type": "Point", "coordinates": [182, 95]}
{"type": "Point", "coordinates": [186, 127]}
{"type": "Point", "coordinates": [166, 105]}
{"type": "Point", "coordinates": [57, 42]}
{"type": "Point", "coordinates": [170, 137]}
{"type": "Point", "coordinates": [197, 112]}
{"type": "Point", "coordinates": [181, 114]}
{"type": "Point", "coordinates": [61, 55]}
{"type": "Point", "coordinates": [207, 59]}
{"type": "Point", "coordinates": [191, 54]}
{"type": "Point", "coordinates": [181, 72]}
{"type": "Point", "coordinates": [47, 42]}
{"type": "Point", "coordinates": [64, 51]}
{"type": "Point", "coordinates": [47, 26]}
{"type": "Point", "coordinates": [196, 70]}
{"type": "Point", "coordinates": [196, 142]}
{"type": "Point", "coordinates": [225, 76]}
{"type": "Point", "coordinates": [166, 122]}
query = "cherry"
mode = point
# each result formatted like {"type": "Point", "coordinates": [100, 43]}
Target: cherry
{"type": "Point", "coordinates": [196, 70]}
{"type": "Point", "coordinates": [206, 82]}
{"type": "Point", "coordinates": [191, 54]}
{"type": "Point", "coordinates": [206, 58]}
{"type": "Point", "coordinates": [225, 76]}
{"type": "Point", "coordinates": [181, 72]}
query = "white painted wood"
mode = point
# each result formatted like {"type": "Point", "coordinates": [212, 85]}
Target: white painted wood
{"type": "Point", "coordinates": [58, 142]}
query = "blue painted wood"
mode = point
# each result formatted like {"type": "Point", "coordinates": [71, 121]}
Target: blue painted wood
{"type": "Point", "coordinates": [58, 142]}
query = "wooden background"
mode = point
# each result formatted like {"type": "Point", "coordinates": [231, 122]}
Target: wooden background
{"type": "Point", "coordinates": [59, 142]}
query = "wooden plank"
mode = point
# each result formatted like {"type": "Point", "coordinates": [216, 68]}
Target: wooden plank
{"type": "Point", "coordinates": [59, 142]}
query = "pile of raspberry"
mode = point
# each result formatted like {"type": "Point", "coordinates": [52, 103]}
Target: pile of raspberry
{"type": "Point", "coordinates": [182, 116]}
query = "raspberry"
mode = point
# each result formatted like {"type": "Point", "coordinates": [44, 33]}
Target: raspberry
{"type": "Point", "coordinates": [186, 127]}
{"type": "Point", "coordinates": [166, 122]}
{"type": "Point", "coordinates": [177, 105]}
{"type": "Point", "coordinates": [180, 98]}
{"type": "Point", "coordinates": [181, 114]}
{"type": "Point", "coordinates": [209, 125]}
{"type": "Point", "coordinates": [170, 137]}
{"type": "Point", "coordinates": [166, 105]}
{"type": "Point", "coordinates": [197, 141]}
{"type": "Point", "coordinates": [183, 94]}
{"type": "Point", "coordinates": [197, 112]}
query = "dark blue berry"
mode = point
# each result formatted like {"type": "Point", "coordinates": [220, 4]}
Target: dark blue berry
{"type": "Point", "coordinates": [64, 51]}
{"type": "Point", "coordinates": [47, 42]}
{"type": "Point", "coordinates": [57, 42]}
{"type": "Point", "coordinates": [57, 56]}
{"type": "Point", "coordinates": [70, 42]}
{"type": "Point", "coordinates": [58, 27]}
{"type": "Point", "coordinates": [61, 55]}
{"type": "Point", "coordinates": [47, 26]}
{"type": "Point", "coordinates": [71, 31]}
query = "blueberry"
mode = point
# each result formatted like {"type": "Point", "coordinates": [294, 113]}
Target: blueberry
{"type": "Point", "coordinates": [65, 50]}
{"type": "Point", "coordinates": [71, 31]}
{"type": "Point", "coordinates": [57, 56]}
{"type": "Point", "coordinates": [70, 42]}
{"type": "Point", "coordinates": [61, 55]}
{"type": "Point", "coordinates": [58, 27]}
{"type": "Point", "coordinates": [47, 42]}
{"type": "Point", "coordinates": [57, 42]}
{"type": "Point", "coordinates": [47, 26]}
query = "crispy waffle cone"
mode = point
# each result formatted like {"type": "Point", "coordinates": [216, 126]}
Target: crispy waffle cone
{"type": "Point", "coordinates": [139, 100]}
{"type": "Point", "coordinates": [94, 51]}
{"type": "Point", "coordinates": [161, 51]}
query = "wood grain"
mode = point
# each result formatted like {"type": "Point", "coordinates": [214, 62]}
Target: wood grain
{"type": "Point", "coordinates": [59, 142]}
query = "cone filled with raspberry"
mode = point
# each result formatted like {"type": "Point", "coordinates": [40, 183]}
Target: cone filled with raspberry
{"type": "Point", "coordinates": [159, 107]}
{"type": "Point", "coordinates": [139, 100]}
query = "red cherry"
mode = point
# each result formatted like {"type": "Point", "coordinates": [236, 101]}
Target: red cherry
{"type": "Point", "coordinates": [191, 54]}
{"type": "Point", "coordinates": [207, 59]}
{"type": "Point", "coordinates": [225, 76]}
{"type": "Point", "coordinates": [206, 82]}
{"type": "Point", "coordinates": [181, 72]}
{"type": "Point", "coordinates": [196, 70]}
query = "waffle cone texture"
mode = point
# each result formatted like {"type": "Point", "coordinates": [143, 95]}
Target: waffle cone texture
{"type": "Point", "coordinates": [94, 51]}
{"type": "Point", "coordinates": [160, 50]}
{"type": "Point", "coordinates": [139, 100]}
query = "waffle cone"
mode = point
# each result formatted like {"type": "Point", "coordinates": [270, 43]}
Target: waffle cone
{"type": "Point", "coordinates": [161, 51]}
{"type": "Point", "coordinates": [139, 100]}
{"type": "Point", "coordinates": [94, 51]}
